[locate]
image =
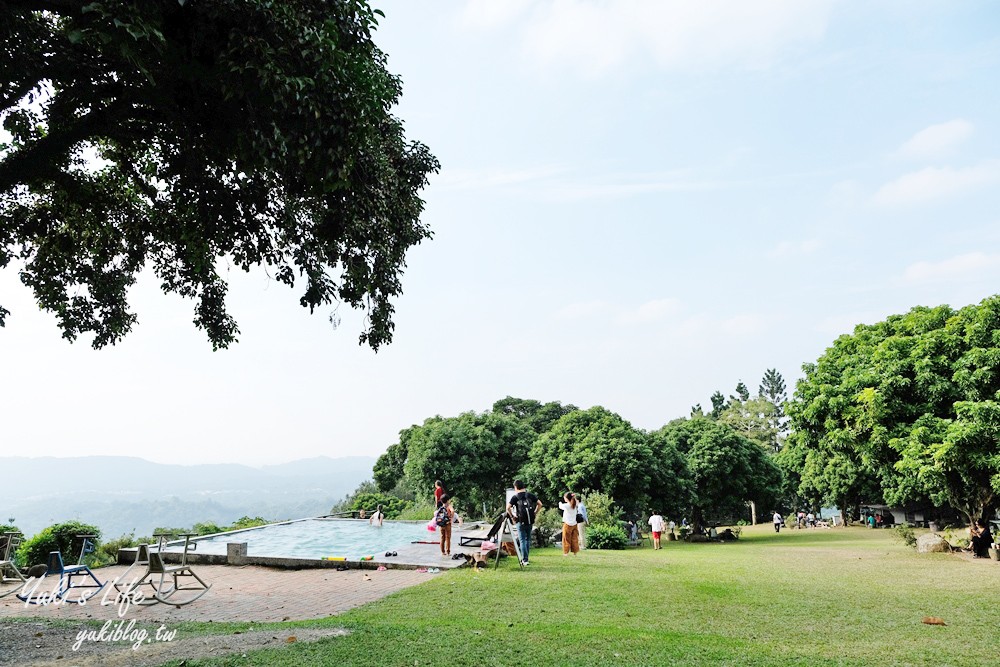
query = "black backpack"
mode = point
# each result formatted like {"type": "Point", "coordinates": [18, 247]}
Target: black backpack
{"type": "Point", "coordinates": [525, 511]}
{"type": "Point", "coordinates": [441, 517]}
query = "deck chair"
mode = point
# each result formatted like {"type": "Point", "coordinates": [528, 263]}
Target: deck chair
{"type": "Point", "coordinates": [67, 574]}
{"type": "Point", "coordinates": [8, 568]}
{"type": "Point", "coordinates": [166, 580]}
{"type": "Point", "coordinates": [475, 537]}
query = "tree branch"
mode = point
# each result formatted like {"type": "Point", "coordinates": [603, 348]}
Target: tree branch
{"type": "Point", "coordinates": [38, 158]}
{"type": "Point", "coordinates": [18, 93]}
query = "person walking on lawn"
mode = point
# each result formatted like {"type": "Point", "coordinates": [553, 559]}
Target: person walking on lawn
{"type": "Point", "coordinates": [524, 507]}
{"type": "Point", "coordinates": [656, 525]}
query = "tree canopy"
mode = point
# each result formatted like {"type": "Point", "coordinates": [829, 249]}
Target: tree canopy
{"type": "Point", "coordinates": [910, 406]}
{"type": "Point", "coordinates": [726, 469]}
{"type": "Point", "coordinates": [597, 450]}
{"type": "Point", "coordinates": [477, 456]}
{"type": "Point", "coordinates": [539, 416]}
{"type": "Point", "coordinates": [190, 136]}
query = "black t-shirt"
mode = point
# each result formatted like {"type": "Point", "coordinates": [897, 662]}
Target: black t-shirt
{"type": "Point", "coordinates": [524, 504]}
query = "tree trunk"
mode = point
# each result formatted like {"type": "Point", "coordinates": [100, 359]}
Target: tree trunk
{"type": "Point", "coordinates": [696, 520]}
{"type": "Point", "coordinates": [753, 513]}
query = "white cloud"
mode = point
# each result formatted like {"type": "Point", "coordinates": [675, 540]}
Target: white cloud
{"type": "Point", "coordinates": [651, 311]}
{"type": "Point", "coordinates": [845, 194]}
{"type": "Point", "coordinates": [576, 311]}
{"type": "Point", "coordinates": [560, 183]}
{"type": "Point", "coordinates": [472, 179]}
{"type": "Point", "coordinates": [969, 265]}
{"type": "Point", "coordinates": [490, 14]}
{"type": "Point", "coordinates": [656, 310]}
{"type": "Point", "coordinates": [744, 325]}
{"type": "Point", "coordinates": [937, 140]}
{"type": "Point", "coordinates": [596, 38]}
{"type": "Point", "coordinates": [795, 248]}
{"type": "Point", "coordinates": [936, 183]}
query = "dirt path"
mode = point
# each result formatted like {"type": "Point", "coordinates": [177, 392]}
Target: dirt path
{"type": "Point", "coordinates": [41, 644]}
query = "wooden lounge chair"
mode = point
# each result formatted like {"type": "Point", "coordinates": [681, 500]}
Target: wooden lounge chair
{"type": "Point", "coordinates": [164, 580]}
{"type": "Point", "coordinates": [12, 541]}
{"type": "Point", "coordinates": [67, 574]}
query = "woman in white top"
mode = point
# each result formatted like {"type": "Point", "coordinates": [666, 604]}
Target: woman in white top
{"type": "Point", "coordinates": [571, 533]}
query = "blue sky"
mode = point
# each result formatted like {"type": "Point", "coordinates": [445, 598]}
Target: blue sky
{"type": "Point", "coordinates": [640, 203]}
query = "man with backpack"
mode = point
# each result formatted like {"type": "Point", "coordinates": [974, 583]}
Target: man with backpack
{"type": "Point", "coordinates": [523, 508]}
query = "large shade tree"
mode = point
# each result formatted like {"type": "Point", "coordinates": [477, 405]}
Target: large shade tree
{"type": "Point", "coordinates": [598, 450]}
{"type": "Point", "coordinates": [726, 470]}
{"type": "Point", "coordinates": [477, 456]}
{"type": "Point", "coordinates": [189, 136]}
{"type": "Point", "coordinates": [539, 416]}
{"type": "Point", "coordinates": [913, 403]}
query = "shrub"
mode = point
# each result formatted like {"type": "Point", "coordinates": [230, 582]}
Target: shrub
{"type": "Point", "coordinates": [247, 522]}
{"type": "Point", "coordinates": [60, 537]}
{"type": "Point", "coordinates": [107, 552]}
{"type": "Point", "coordinates": [391, 505]}
{"type": "Point", "coordinates": [904, 533]}
{"type": "Point", "coordinates": [207, 528]}
{"type": "Point", "coordinates": [419, 511]}
{"type": "Point", "coordinates": [601, 510]}
{"type": "Point", "coordinates": [606, 537]}
{"type": "Point", "coordinates": [548, 523]}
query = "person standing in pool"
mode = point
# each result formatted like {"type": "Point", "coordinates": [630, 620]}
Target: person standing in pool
{"type": "Point", "coordinates": [438, 493]}
{"type": "Point", "coordinates": [377, 517]}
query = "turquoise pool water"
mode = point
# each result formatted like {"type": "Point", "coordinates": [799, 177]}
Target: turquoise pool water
{"type": "Point", "coordinates": [319, 538]}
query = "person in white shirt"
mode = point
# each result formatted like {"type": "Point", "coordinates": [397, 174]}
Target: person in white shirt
{"type": "Point", "coordinates": [656, 525]}
{"type": "Point", "coordinates": [571, 533]}
{"type": "Point", "coordinates": [671, 526]}
{"type": "Point", "coordinates": [777, 522]}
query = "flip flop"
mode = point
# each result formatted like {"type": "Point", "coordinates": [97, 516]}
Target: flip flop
{"type": "Point", "coordinates": [421, 569]}
{"type": "Point", "coordinates": [342, 568]}
{"type": "Point", "coordinates": [388, 553]}
{"type": "Point", "coordinates": [394, 554]}
{"type": "Point", "coordinates": [433, 570]}
{"type": "Point", "coordinates": [381, 568]}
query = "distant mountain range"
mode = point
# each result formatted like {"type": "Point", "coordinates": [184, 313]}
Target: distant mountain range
{"type": "Point", "coordinates": [121, 494]}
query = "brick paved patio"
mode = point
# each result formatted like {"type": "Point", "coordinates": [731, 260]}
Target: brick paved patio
{"type": "Point", "coordinates": [241, 593]}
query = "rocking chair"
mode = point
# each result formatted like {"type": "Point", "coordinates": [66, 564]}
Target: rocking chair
{"type": "Point", "coordinates": [12, 541]}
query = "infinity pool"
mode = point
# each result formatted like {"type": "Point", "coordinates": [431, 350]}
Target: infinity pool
{"type": "Point", "coordinates": [319, 538]}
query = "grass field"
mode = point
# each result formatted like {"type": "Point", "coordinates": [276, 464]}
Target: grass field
{"type": "Point", "coordinates": [825, 597]}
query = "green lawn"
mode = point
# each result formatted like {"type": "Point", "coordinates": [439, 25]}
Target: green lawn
{"type": "Point", "coordinates": [825, 597]}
